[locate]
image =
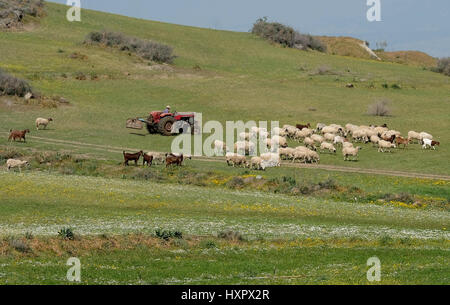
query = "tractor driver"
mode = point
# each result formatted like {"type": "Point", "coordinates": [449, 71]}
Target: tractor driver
{"type": "Point", "coordinates": [167, 110]}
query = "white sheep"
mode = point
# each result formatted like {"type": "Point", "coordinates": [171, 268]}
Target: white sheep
{"type": "Point", "coordinates": [327, 146]}
{"type": "Point", "coordinates": [347, 145]}
{"type": "Point", "coordinates": [319, 127]}
{"type": "Point", "coordinates": [348, 152]}
{"type": "Point", "coordinates": [374, 139]}
{"type": "Point", "coordinates": [244, 147]}
{"type": "Point", "coordinates": [412, 136]}
{"type": "Point", "coordinates": [235, 160]}
{"type": "Point", "coordinates": [257, 163]}
{"type": "Point", "coordinates": [425, 135]}
{"type": "Point", "coordinates": [12, 163]}
{"type": "Point", "coordinates": [317, 138]}
{"type": "Point", "coordinates": [384, 146]}
{"type": "Point", "coordinates": [245, 136]}
{"type": "Point", "coordinates": [286, 153]}
{"type": "Point", "coordinates": [158, 158]}
{"type": "Point", "coordinates": [43, 122]}
{"type": "Point", "coordinates": [220, 147]}
{"type": "Point", "coordinates": [281, 141]}
{"type": "Point", "coordinates": [338, 140]}
{"type": "Point", "coordinates": [309, 143]}
{"type": "Point", "coordinates": [329, 136]}
{"type": "Point", "coordinates": [271, 160]}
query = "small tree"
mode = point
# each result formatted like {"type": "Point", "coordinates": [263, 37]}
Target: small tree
{"type": "Point", "coordinates": [380, 108]}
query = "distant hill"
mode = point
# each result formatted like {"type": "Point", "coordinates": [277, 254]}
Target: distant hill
{"type": "Point", "coordinates": [349, 46]}
{"type": "Point", "coordinates": [415, 58]}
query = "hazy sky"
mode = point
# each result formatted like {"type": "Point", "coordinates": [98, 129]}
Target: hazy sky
{"type": "Point", "coordinates": [406, 24]}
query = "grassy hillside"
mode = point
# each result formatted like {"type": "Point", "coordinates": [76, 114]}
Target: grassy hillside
{"type": "Point", "coordinates": [279, 219]}
{"type": "Point", "coordinates": [242, 78]}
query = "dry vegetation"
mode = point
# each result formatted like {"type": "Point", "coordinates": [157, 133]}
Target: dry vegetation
{"type": "Point", "coordinates": [146, 49]}
{"type": "Point", "coordinates": [14, 12]}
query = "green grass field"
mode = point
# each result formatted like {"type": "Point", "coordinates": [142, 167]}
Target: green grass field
{"type": "Point", "coordinates": [323, 237]}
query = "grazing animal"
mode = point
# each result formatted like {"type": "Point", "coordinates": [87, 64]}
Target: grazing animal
{"type": "Point", "coordinates": [220, 147]}
{"type": "Point", "coordinates": [158, 157]}
{"type": "Point", "coordinates": [43, 122]}
{"type": "Point", "coordinates": [384, 146]}
{"type": "Point", "coordinates": [399, 141]}
{"type": "Point", "coordinates": [236, 160]}
{"type": "Point", "coordinates": [348, 152]}
{"type": "Point", "coordinates": [414, 136]}
{"type": "Point", "coordinates": [18, 134]}
{"type": "Point", "coordinates": [390, 139]}
{"type": "Point", "coordinates": [171, 159]}
{"type": "Point", "coordinates": [132, 157]}
{"type": "Point", "coordinates": [430, 143]}
{"type": "Point", "coordinates": [147, 159]}
{"type": "Point", "coordinates": [11, 163]}
{"type": "Point", "coordinates": [301, 126]}
{"type": "Point", "coordinates": [257, 163]}
{"type": "Point", "coordinates": [327, 146]}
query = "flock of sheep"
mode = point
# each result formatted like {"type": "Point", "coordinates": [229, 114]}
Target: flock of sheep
{"type": "Point", "coordinates": [324, 138]}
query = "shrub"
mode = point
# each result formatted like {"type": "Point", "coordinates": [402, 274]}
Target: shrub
{"type": "Point", "coordinates": [379, 108]}
{"type": "Point", "coordinates": [19, 245]}
{"type": "Point", "coordinates": [167, 234]}
{"type": "Point", "coordinates": [66, 233]}
{"type": "Point", "coordinates": [208, 244]}
{"type": "Point", "coordinates": [231, 235]}
{"type": "Point", "coordinates": [443, 66]}
{"type": "Point", "coordinates": [286, 36]}
{"type": "Point", "coordinates": [12, 12]}
{"type": "Point", "coordinates": [10, 85]}
{"type": "Point", "coordinates": [146, 49]}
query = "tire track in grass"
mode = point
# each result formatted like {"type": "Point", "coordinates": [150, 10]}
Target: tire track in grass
{"type": "Point", "coordinates": [115, 149]}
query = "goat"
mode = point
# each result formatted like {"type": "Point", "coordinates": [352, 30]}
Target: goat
{"type": "Point", "coordinates": [430, 143]}
{"type": "Point", "coordinates": [132, 157]}
{"type": "Point", "coordinates": [400, 140]}
{"type": "Point", "coordinates": [301, 126]}
{"type": "Point", "coordinates": [147, 159]}
{"type": "Point", "coordinates": [18, 134]}
{"type": "Point", "coordinates": [172, 159]}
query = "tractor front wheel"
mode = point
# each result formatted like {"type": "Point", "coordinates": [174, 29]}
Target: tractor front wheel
{"type": "Point", "coordinates": [165, 125]}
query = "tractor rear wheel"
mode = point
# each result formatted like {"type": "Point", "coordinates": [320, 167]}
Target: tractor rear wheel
{"type": "Point", "coordinates": [152, 129]}
{"type": "Point", "coordinates": [165, 125]}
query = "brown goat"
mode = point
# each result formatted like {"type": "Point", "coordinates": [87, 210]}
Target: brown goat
{"type": "Point", "coordinates": [147, 159]}
{"type": "Point", "coordinates": [172, 159]}
{"type": "Point", "coordinates": [132, 157]}
{"type": "Point", "coordinates": [301, 126]}
{"type": "Point", "coordinates": [18, 134]}
{"type": "Point", "coordinates": [390, 139]}
{"type": "Point", "coordinates": [400, 140]}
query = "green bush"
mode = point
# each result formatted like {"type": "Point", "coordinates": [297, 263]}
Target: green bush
{"type": "Point", "coordinates": [286, 36]}
{"type": "Point", "coordinates": [66, 233]}
{"type": "Point", "coordinates": [146, 49]}
{"type": "Point", "coordinates": [168, 234]}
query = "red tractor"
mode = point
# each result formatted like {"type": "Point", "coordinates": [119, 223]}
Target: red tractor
{"type": "Point", "coordinates": [165, 123]}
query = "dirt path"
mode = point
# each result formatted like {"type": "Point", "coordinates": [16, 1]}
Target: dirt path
{"type": "Point", "coordinates": [114, 149]}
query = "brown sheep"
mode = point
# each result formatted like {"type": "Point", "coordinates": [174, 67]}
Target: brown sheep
{"type": "Point", "coordinates": [18, 134]}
